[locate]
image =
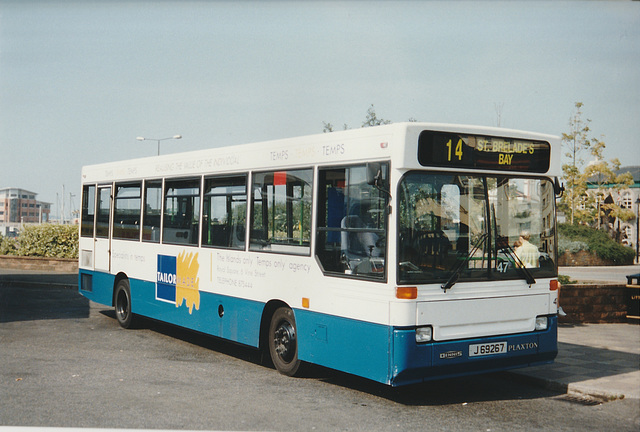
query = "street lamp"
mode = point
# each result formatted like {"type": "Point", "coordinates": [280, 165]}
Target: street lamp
{"type": "Point", "coordinates": [637, 230]}
{"type": "Point", "coordinates": [159, 139]}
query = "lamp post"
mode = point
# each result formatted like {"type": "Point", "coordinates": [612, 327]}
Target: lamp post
{"type": "Point", "coordinates": [159, 139]}
{"type": "Point", "coordinates": [637, 228]}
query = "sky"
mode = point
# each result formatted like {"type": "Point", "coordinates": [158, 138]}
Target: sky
{"type": "Point", "coordinates": [80, 80]}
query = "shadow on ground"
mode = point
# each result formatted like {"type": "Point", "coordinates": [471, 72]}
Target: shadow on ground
{"type": "Point", "coordinates": [40, 297]}
{"type": "Point", "coordinates": [453, 391]}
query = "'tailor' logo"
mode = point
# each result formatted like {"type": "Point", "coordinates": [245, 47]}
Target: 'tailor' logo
{"type": "Point", "coordinates": [187, 280]}
{"type": "Point", "coordinates": [177, 280]}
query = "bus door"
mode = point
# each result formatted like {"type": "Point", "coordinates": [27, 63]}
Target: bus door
{"type": "Point", "coordinates": [102, 246]}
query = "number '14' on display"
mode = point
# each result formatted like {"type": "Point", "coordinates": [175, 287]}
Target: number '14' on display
{"type": "Point", "coordinates": [458, 150]}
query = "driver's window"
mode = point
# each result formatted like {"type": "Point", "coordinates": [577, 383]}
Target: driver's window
{"type": "Point", "coordinates": [352, 222]}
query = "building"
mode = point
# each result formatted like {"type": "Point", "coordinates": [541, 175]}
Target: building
{"type": "Point", "coordinates": [19, 206]}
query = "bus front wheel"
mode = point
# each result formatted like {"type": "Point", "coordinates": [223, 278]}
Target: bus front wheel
{"type": "Point", "coordinates": [122, 303]}
{"type": "Point", "coordinates": [283, 342]}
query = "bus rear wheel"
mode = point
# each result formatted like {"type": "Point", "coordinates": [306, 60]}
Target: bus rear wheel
{"type": "Point", "coordinates": [283, 342]}
{"type": "Point", "coordinates": [122, 303]}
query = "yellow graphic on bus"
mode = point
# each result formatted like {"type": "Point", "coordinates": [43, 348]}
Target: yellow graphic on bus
{"type": "Point", "coordinates": [187, 280]}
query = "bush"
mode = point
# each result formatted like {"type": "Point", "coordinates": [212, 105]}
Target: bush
{"type": "Point", "coordinates": [613, 251]}
{"type": "Point", "coordinates": [571, 246]}
{"type": "Point", "coordinates": [51, 241]}
{"type": "Point", "coordinates": [565, 280]}
{"type": "Point", "coordinates": [8, 246]}
{"type": "Point", "coordinates": [597, 242]}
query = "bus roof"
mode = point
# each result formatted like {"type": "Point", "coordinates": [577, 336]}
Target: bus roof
{"type": "Point", "coordinates": [372, 143]}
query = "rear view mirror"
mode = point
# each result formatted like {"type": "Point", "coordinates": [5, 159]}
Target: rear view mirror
{"type": "Point", "coordinates": [374, 174]}
{"type": "Point", "coordinates": [558, 188]}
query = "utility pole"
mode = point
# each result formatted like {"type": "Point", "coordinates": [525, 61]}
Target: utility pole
{"type": "Point", "coordinates": [62, 217]}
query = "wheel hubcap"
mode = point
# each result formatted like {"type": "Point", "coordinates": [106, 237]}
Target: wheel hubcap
{"type": "Point", "coordinates": [123, 305]}
{"type": "Point", "coordinates": [285, 341]}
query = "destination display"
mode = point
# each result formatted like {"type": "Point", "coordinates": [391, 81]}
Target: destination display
{"type": "Point", "coordinates": [444, 149]}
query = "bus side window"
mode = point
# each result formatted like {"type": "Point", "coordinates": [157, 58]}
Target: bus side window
{"type": "Point", "coordinates": [181, 212]}
{"type": "Point", "coordinates": [281, 211]}
{"type": "Point", "coordinates": [225, 212]}
{"type": "Point", "coordinates": [152, 211]}
{"type": "Point", "coordinates": [88, 210]}
{"type": "Point", "coordinates": [103, 210]}
{"type": "Point", "coordinates": [126, 213]}
{"type": "Point", "coordinates": [352, 223]}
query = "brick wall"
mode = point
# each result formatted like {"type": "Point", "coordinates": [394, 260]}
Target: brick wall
{"type": "Point", "coordinates": [593, 303]}
{"type": "Point", "coordinates": [39, 264]}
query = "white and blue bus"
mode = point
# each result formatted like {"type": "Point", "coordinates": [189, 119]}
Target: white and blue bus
{"type": "Point", "coordinates": [399, 253]}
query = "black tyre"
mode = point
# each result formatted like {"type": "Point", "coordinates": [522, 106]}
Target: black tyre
{"type": "Point", "coordinates": [283, 342]}
{"type": "Point", "coordinates": [122, 304]}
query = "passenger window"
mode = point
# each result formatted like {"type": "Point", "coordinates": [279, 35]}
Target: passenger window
{"type": "Point", "coordinates": [152, 211]}
{"type": "Point", "coordinates": [281, 212]}
{"type": "Point", "coordinates": [181, 212]}
{"type": "Point", "coordinates": [104, 210]}
{"type": "Point", "coordinates": [126, 212]}
{"type": "Point", "coordinates": [225, 212]}
{"type": "Point", "coordinates": [352, 222]}
{"type": "Point", "coordinates": [88, 210]}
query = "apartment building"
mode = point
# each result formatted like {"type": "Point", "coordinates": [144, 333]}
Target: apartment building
{"type": "Point", "coordinates": [20, 206]}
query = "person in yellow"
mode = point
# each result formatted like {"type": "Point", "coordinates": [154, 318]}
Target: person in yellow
{"type": "Point", "coordinates": [527, 253]}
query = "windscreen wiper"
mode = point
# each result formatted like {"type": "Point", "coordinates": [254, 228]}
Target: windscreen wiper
{"type": "Point", "coordinates": [520, 266]}
{"type": "Point", "coordinates": [456, 271]}
{"type": "Point", "coordinates": [503, 243]}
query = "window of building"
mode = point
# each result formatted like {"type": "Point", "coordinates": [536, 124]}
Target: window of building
{"type": "Point", "coordinates": [352, 222]}
{"type": "Point", "coordinates": [225, 212]}
{"type": "Point", "coordinates": [126, 211]}
{"type": "Point", "coordinates": [281, 211]}
{"type": "Point", "coordinates": [181, 211]}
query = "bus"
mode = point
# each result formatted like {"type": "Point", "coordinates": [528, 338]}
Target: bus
{"type": "Point", "coordinates": [399, 253]}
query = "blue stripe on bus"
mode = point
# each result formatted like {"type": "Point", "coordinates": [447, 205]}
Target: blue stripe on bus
{"type": "Point", "coordinates": [99, 281]}
{"type": "Point", "coordinates": [415, 363]}
{"type": "Point", "coordinates": [352, 346]}
{"type": "Point", "coordinates": [374, 351]}
{"type": "Point", "coordinates": [238, 322]}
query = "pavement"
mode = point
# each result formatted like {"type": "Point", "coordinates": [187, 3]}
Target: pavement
{"type": "Point", "coordinates": [603, 275]}
{"type": "Point", "coordinates": [600, 362]}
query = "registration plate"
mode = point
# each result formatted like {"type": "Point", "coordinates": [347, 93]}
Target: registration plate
{"type": "Point", "coordinates": [487, 349]}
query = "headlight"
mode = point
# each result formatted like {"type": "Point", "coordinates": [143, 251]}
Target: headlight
{"type": "Point", "coordinates": [541, 323]}
{"type": "Point", "coordinates": [424, 334]}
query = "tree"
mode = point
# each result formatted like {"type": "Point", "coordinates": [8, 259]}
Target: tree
{"type": "Point", "coordinates": [327, 127]}
{"type": "Point", "coordinates": [601, 174]}
{"type": "Point", "coordinates": [370, 120]}
{"type": "Point", "coordinates": [575, 141]}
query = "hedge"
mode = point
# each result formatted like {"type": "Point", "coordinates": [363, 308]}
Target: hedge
{"type": "Point", "coordinates": [47, 240]}
{"type": "Point", "coordinates": [573, 237]}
